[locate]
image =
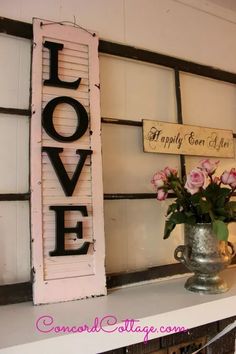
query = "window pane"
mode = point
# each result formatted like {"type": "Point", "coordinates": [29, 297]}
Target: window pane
{"type": "Point", "coordinates": [14, 154]}
{"type": "Point", "coordinates": [15, 57]}
{"type": "Point", "coordinates": [126, 168]}
{"type": "Point", "coordinates": [207, 102]}
{"type": "Point", "coordinates": [132, 90]}
{"type": "Point", "coordinates": [14, 242]}
{"type": "Point", "coordinates": [134, 235]}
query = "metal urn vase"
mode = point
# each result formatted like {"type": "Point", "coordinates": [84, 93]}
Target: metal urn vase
{"type": "Point", "coordinates": [206, 256]}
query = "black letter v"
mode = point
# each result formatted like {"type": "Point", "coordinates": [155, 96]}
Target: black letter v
{"type": "Point", "coordinates": [67, 184]}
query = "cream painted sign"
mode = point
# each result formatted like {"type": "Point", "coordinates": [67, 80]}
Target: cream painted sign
{"type": "Point", "coordinates": [171, 138]}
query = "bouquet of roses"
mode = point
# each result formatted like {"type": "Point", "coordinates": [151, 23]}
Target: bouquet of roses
{"type": "Point", "coordinates": [201, 197]}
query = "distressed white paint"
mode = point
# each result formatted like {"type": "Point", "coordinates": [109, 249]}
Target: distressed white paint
{"type": "Point", "coordinates": [66, 277]}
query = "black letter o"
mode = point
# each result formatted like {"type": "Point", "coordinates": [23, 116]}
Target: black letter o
{"type": "Point", "coordinates": [81, 113]}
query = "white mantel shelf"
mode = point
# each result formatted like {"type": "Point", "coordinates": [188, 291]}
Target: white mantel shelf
{"type": "Point", "coordinates": [156, 304]}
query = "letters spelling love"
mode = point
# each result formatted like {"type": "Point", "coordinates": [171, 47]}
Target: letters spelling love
{"type": "Point", "coordinates": [68, 184]}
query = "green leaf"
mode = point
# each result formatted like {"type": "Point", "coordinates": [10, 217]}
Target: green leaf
{"type": "Point", "coordinates": [216, 195]}
{"type": "Point", "coordinates": [225, 191]}
{"type": "Point", "coordinates": [189, 213]}
{"type": "Point", "coordinates": [204, 206]}
{"type": "Point", "coordinates": [220, 201]}
{"type": "Point", "coordinates": [220, 229]}
{"type": "Point", "coordinates": [191, 220]}
{"type": "Point", "coordinates": [195, 198]}
{"type": "Point", "coordinates": [178, 218]}
{"type": "Point", "coordinates": [169, 227]}
{"type": "Point", "coordinates": [221, 212]}
{"type": "Point", "coordinates": [211, 189]}
{"type": "Point", "coordinates": [172, 208]}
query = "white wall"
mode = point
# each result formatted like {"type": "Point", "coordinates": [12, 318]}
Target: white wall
{"type": "Point", "coordinates": [196, 30]}
{"type": "Point", "coordinates": [188, 29]}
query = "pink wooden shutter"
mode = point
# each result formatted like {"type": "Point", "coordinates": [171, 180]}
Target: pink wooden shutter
{"type": "Point", "coordinates": [66, 277]}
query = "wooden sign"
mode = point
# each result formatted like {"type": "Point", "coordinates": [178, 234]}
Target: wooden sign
{"type": "Point", "coordinates": [66, 176]}
{"type": "Point", "coordinates": [170, 138]}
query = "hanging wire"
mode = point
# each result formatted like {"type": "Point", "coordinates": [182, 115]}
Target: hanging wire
{"type": "Point", "coordinates": [67, 23]}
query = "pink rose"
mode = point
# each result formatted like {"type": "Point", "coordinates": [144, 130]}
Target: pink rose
{"type": "Point", "coordinates": [159, 179]}
{"type": "Point", "coordinates": [208, 166]}
{"type": "Point", "coordinates": [161, 194]}
{"type": "Point", "coordinates": [195, 180]}
{"type": "Point", "coordinates": [229, 177]}
{"type": "Point", "coordinates": [170, 171]}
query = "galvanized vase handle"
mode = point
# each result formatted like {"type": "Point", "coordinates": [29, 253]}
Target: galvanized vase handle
{"type": "Point", "coordinates": [230, 245]}
{"type": "Point", "coordinates": [182, 249]}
